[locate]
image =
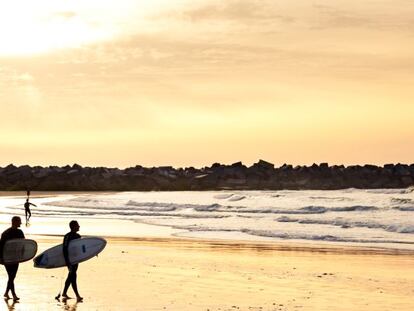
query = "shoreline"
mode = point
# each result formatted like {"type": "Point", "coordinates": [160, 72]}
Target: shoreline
{"type": "Point", "coordinates": [262, 246]}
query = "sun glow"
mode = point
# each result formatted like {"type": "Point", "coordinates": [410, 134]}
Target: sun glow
{"type": "Point", "coordinates": [31, 27]}
{"type": "Point", "coordinates": [194, 82]}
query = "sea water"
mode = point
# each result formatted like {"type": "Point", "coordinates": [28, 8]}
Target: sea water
{"type": "Point", "coordinates": [373, 218]}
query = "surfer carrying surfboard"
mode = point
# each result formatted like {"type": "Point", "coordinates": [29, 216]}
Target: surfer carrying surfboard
{"type": "Point", "coordinates": [71, 279]}
{"type": "Point", "coordinates": [27, 211]}
{"type": "Point", "coordinates": [12, 233]}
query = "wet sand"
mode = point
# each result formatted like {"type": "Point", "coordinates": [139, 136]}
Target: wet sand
{"type": "Point", "coordinates": [183, 274]}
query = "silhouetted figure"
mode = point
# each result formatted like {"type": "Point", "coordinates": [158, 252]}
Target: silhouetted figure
{"type": "Point", "coordinates": [12, 233]}
{"type": "Point", "coordinates": [71, 279]}
{"type": "Point", "coordinates": [27, 211]}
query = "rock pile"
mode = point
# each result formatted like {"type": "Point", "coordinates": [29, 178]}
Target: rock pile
{"type": "Point", "coordinates": [261, 175]}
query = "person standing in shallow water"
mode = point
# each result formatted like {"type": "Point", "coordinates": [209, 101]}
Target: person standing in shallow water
{"type": "Point", "coordinates": [27, 211]}
{"type": "Point", "coordinates": [71, 279]}
{"type": "Point", "coordinates": [12, 233]}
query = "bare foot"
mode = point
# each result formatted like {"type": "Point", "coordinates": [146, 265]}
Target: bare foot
{"type": "Point", "coordinates": [79, 298]}
{"type": "Point", "coordinates": [15, 298]}
{"type": "Point", "coordinates": [6, 296]}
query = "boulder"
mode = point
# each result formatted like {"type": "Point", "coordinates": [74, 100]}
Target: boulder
{"type": "Point", "coordinates": [264, 165]}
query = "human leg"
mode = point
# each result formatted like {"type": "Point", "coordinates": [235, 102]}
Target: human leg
{"type": "Point", "coordinates": [74, 281]}
{"type": "Point", "coordinates": [71, 280]}
{"type": "Point", "coordinates": [11, 272]}
{"type": "Point", "coordinates": [67, 284]}
{"type": "Point", "coordinates": [6, 293]}
{"type": "Point", "coordinates": [28, 213]}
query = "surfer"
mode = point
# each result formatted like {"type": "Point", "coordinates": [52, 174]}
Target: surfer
{"type": "Point", "coordinates": [27, 211]}
{"type": "Point", "coordinates": [12, 233]}
{"type": "Point", "coordinates": [71, 279]}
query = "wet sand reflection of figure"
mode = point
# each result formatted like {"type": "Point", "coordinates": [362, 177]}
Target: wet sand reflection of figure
{"type": "Point", "coordinates": [69, 307]}
{"type": "Point", "coordinates": [10, 306]}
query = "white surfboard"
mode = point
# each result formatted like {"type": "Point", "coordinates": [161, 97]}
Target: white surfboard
{"type": "Point", "coordinates": [79, 250]}
{"type": "Point", "coordinates": [18, 250]}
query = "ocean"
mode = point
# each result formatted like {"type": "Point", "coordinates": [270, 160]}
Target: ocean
{"type": "Point", "coordinates": [381, 218]}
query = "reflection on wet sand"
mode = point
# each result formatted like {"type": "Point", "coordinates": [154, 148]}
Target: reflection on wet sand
{"type": "Point", "coordinates": [68, 304]}
{"type": "Point", "coordinates": [258, 247]}
{"type": "Point", "coordinates": [10, 304]}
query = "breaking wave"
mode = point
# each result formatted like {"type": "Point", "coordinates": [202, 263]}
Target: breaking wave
{"type": "Point", "coordinates": [351, 224]}
{"type": "Point", "coordinates": [318, 237]}
{"type": "Point", "coordinates": [170, 207]}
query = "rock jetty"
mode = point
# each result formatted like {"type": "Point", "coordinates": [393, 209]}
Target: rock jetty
{"type": "Point", "coordinates": [260, 176]}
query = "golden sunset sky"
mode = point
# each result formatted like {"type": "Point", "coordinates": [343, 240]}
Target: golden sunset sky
{"type": "Point", "coordinates": [190, 83]}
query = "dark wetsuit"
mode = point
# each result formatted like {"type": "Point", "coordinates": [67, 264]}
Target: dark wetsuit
{"type": "Point", "coordinates": [27, 211]}
{"type": "Point", "coordinates": [71, 279]}
{"type": "Point", "coordinates": [11, 269]}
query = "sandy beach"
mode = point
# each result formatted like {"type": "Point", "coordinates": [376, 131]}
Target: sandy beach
{"type": "Point", "coordinates": [184, 274]}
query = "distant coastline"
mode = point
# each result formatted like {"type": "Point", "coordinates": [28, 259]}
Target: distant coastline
{"type": "Point", "coordinates": [260, 176]}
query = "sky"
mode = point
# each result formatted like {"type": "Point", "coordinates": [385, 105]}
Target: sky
{"type": "Point", "coordinates": [189, 83]}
